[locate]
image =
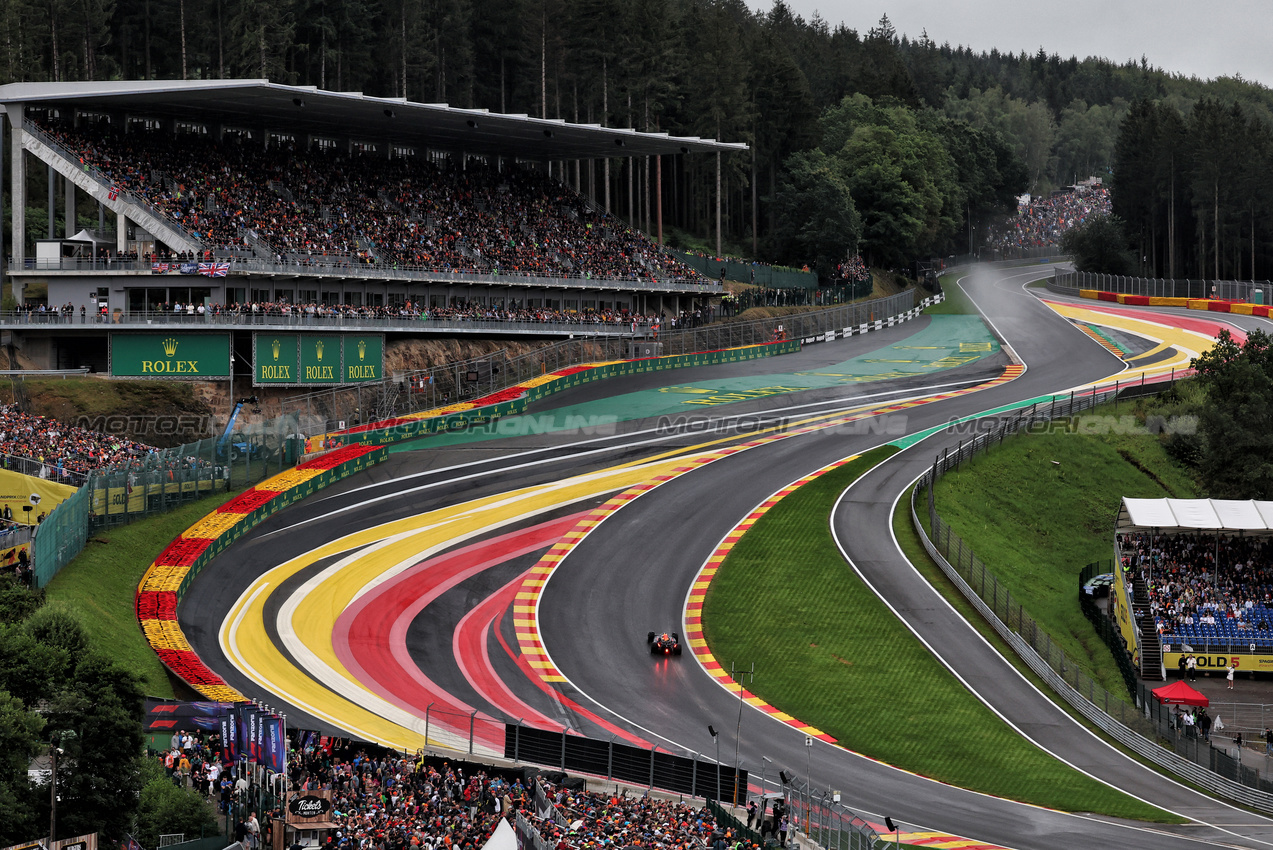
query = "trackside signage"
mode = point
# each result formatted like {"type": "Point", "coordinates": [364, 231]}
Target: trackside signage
{"type": "Point", "coordinates": [364, 359]}
{"type": "Point", "coordinates": [175, 356]}
{"type": "Point", "coordinates": [309, 359]}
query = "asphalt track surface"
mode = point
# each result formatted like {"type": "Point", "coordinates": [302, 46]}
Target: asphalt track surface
{"type": "Point", "coordinates": [633, 573]}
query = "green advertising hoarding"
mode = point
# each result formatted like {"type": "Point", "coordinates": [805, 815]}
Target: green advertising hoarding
{"type": "Point", "coordinates": [288, 359]}
{"type": "Point", "coordinates": [275, 358]}
{"type": "Point", "coordinates": [364, 358]}
{"type": "Point", "coordinates": [320, 360]}
{"type": "Point", "coordinates": [174, 356]}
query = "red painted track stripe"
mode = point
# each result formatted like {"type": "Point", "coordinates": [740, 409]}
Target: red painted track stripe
{"type": "Point", "coordinates": [369, 637]}
{"type": "Point", "coordinates": [472, 653]}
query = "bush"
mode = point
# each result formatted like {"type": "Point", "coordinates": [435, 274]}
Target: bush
{"type": "Point", "coordinates": [165, 809]}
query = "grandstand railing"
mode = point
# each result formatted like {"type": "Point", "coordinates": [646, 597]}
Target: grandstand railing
{"type": "Point", "coordinates": [638, 326]}
{"type": "Point", "coordinates": [1134, 726]}
{"type": "Point", "coordinates": [40, 469]}
{"type": "Point", "coordinates": [376, 271]}
{"type": "Point", "coordinates": [1223, 290]}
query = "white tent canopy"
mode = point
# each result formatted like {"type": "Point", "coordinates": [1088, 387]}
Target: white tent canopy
{"type": "Point", "coordinates": [503, 838]}
{"type": "Point", "coordinates": [1178, 515]}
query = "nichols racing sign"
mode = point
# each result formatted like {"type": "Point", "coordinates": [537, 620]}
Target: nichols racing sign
{"type": "Point", "coordinates": [179, 356]}
{"type": "Point", "coordinates": [285, 359]}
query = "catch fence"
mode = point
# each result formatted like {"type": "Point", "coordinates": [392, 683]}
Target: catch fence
{"type": "Point", "coordinates": [1250, 291]}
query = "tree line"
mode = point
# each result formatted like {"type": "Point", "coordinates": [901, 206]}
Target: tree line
{"type": "Point", "coordinates": [710, 68]}
{"type": "Point", "coordinates": [58, 691]}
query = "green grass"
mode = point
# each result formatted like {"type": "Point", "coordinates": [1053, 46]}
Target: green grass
{"type": "Point", "coordinates": [829, 652]}
{"type": "Point", "coordinates": [1036, 523]}
{"type": "Point", "coordinates": [99, 586]}
{"type": "Point", "coordinates": [956, 302]}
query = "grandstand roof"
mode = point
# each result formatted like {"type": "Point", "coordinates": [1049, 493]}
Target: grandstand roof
{"type": "Point", "coordinates": [307, 109]}
{"type": "Point", "coordinates": [1177, 515]}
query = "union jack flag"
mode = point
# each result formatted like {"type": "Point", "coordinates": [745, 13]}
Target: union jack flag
{"type": "Point", "coordinates": [159, 268]}
{"type": "Point", "coordinates": [214, 269]}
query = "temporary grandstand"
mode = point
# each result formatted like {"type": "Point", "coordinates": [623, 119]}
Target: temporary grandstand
{"type": "Point", "coordinates": [249, 192]}
{"type": "Point", "coordinates": [1199, 575]}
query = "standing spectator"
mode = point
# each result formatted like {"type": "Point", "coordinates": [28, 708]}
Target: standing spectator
{"type": "Point", "coordinates": [254, 832]}
{"type": "Point", "coordinates": [751, 808]}
{"type": "Point", "coordinates": [1228, 674]}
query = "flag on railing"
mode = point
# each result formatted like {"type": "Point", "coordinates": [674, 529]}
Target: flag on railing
{"type": "Point", "coordinates": [214, 269]}
{"type": "Point", "coordinates": [189, 268]}
{"type": "Point", "coordinates": [159, 268]}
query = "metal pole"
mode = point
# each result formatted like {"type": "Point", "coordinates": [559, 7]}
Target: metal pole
{"type": "Point", "coordinates": [426, 723]}
{"type": "Point", "coordinates": [473, 720]}
{"type": "Point", "coordinates": [53, 783]}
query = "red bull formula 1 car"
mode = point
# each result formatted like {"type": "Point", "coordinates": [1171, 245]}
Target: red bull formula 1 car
{"type": "Point", "coordinates": [664, 643]}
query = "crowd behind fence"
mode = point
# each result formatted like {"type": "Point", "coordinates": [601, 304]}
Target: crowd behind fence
{"type": "Point", "coordinates": [160, 481]}
{"type": "Point", "coordinates": [1132, 719]}
{"type": "Point", "coordinates": [352, 320]}
{"type": "Point", "coordinates": [1224, 290]}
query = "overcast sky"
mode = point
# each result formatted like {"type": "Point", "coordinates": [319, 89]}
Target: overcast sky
{"type": "Point", "coordinates": [1191, 37]}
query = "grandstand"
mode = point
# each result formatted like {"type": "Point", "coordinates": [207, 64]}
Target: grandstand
{"type": "Point", "coordinates": [1199, 578]}
{"type": "Point", "coordinates": [248, 198]}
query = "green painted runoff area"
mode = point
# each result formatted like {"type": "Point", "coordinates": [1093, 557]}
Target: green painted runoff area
{"type": "Point", "coordinates": [946, 342]}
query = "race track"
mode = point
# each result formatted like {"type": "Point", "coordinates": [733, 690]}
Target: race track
{"type": "Point", "coordinates": [422, 587]}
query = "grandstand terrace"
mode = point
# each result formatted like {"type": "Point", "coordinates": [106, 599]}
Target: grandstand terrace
{"type": "Point", "coordinates": [249, 202]}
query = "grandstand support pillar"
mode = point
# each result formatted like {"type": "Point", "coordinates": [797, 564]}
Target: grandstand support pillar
{"type": "Point", "coordinates": [121, 233]}
{"type": "Point", "coordinates": [17, 184]}
{"type": "Point", "coordinates": [658, 194]}
{"type": "Point", "coordinates": [718, 248]}
{"type": "Point", "coordinates": [69, 192]}
{"type": "Point", "coordinates": [52, 200]}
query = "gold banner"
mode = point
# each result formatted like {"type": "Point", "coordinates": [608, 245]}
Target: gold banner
{"type": "Point", "coordinates": [17, 489]}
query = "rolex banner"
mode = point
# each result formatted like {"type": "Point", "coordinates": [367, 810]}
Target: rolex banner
{"type": "Point", "coordinates": [180, 356]}
{"type": "Point", "coordinates": [284, 359]}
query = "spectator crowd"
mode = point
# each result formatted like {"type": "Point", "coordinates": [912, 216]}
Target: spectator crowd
{"type": "Point", "coordinates": [344, 208]}
{"type": "Point", "coordinates": [1224, 582]}
{"type": "Point", "coordinates": [65, 453]}
{"type": "Point", "coordinates": [1040, 222]}
{"type": "Point", "coordinates": [385, 801]}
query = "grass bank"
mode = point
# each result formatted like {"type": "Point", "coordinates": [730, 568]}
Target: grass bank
{"type": "Point", "coordinates": [1041, 506]}
{"type": "Point", "coordinates": [956, 302]}
{"type": "Point", "coordinates": [99, 585]}
{"type": "Point", "coordinates": [785, 599]}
